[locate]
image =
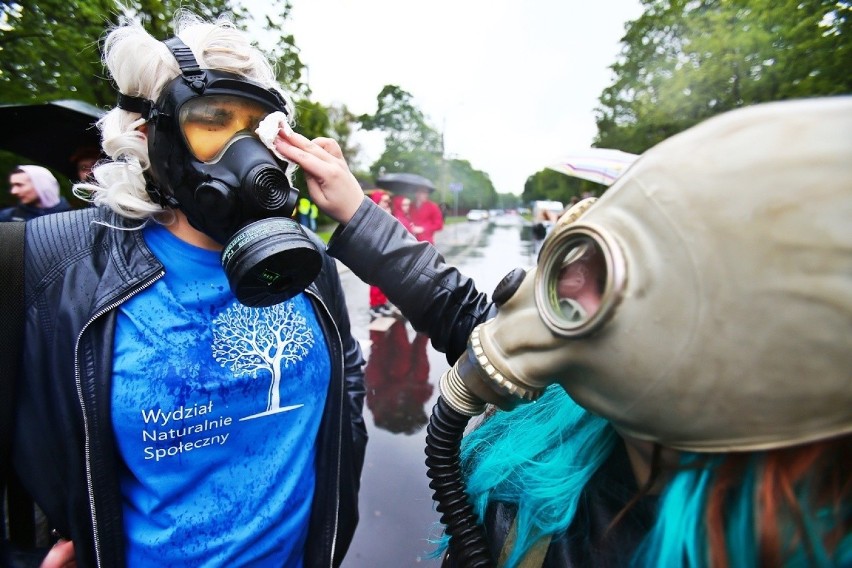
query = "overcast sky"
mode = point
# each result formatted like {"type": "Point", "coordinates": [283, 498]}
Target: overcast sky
{"type": "Point", "coordinates": [512, 84]}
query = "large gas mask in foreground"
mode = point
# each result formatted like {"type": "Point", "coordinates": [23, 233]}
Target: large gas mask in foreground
{"type": "Point", "coordinates": [705, 301]}
{"type": "Point", "coordinates": [207, 161]}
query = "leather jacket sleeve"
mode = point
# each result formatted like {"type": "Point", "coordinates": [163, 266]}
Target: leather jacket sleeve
{"type": "Point", "coordinates": [435, 297]}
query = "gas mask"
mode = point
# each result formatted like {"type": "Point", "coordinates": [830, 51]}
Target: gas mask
{"type": "Point", "coordinates": [207, 162]}
{"type": "Point", "coordinates": [704, 302]}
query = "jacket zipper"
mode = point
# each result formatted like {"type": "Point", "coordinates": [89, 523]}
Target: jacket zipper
{"type": "Point", "coordinates": [342, 374]}
{"type": "Point", "coordinates": [78, 380]}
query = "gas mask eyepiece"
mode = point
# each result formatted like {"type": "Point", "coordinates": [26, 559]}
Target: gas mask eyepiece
{"type": "Point", "coordinates": [207, 161]}
{"type": "Point", "coordinates": [572, 293]}
{"type": "Point", "coordinates": [579, 280]}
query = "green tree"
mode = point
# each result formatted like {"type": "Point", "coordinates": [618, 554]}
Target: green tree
{"type": "Point", "coordinates": [551, 185]}
{"type": "Point", "coordinates": [413, 145]}
{"type": "Point", "coordinates": [477, 189]}
{"type": "Point", "coordinates": [342, 126]}
{"type": "Point", "coordinates": [50, 49]}
{"type": "Point", "coordinates": [684, 61]}
{"type": "Point", "coordinates": [279, 45]}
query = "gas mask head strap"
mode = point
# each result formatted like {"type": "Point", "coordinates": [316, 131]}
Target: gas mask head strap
{"type": "Point", "coordinates": [194, 76]}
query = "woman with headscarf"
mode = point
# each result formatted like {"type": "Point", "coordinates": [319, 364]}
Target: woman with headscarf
{"type": "Point", "coordinates": [37, 192]}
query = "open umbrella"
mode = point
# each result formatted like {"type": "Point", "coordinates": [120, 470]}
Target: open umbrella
{"type": "Point", "coordinates": [49, 133]}
{"type": "Point", "coordinates": [600, 165]}
{"type": "Point", "coordinates": [403, 182]}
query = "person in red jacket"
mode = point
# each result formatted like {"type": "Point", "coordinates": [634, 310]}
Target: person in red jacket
{"type": "Point", "coordinates": [426, 217]}
{"type": "Point", "coordinates": [379, 304]}
{"type": "Point", "coordinates": [402, 211]}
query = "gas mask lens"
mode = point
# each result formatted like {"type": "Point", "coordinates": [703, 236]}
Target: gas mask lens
{"type": "Point", "coordinates": [579, 281]}
{"type": "Point", "coordinates": [210, 124]}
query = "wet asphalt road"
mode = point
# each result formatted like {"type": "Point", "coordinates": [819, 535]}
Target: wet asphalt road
{"type": "Point", "coordinates": [397, 512]}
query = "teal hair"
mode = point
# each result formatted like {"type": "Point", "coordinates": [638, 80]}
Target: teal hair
{"type": "Point", "coordinates": [678, 537]}
{"type": "Point", "coordinates": [539, 456]}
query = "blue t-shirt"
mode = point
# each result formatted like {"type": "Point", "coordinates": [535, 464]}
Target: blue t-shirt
{"type": "Point", "coordinates": [216, 409]}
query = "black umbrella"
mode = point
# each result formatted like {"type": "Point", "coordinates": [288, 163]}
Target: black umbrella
{"type": "Point", "coordinates": [50, 133]}
{"type": "Point", "coordinates": [403, 182]}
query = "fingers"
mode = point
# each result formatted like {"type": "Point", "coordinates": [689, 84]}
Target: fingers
{"type": "Point", "coordinates": [60, 556]}
{"type": "Point", "coordinates": [319, 147]}
{"type": "Point", "coordinates": [330, 146]}
{"type": "Point", "coordinates": [331, 185]}
{"type": "Point", "coordinates": [309, 156]}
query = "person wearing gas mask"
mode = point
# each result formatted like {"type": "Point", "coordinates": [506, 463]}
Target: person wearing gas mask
{"type": "Point", "coordinates": [191, 392]}
{"type": "Point", "coordinates": [672, 378]}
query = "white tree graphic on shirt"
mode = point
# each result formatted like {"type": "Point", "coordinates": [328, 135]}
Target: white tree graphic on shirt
{"type": "Point", "coordinates": [248, 340]}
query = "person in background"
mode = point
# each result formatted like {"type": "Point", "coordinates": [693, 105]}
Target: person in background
{"type": "Point", "coordinates": [37, 192]}
{"type": "Point", "coordinates": [313, 217]}
{"type": "Point", "coordinates": [697, 412]}
{"type": "Point", "coordinates": [165, 414]}
{"type": "Point", "coordinates": [402, 212]}
{"type": "Point", "coordinates": [84, 159]}
{"type": "Point", "coordinates": [303, 211]}
{"type": "Point", "coordinates": [426, 217]}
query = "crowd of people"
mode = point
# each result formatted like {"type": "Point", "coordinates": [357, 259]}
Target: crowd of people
{"type": "Point", "coordinates": [191, 392]}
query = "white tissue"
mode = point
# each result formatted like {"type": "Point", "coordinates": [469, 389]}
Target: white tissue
{"type": "Point", "coordinates": [268, 129]}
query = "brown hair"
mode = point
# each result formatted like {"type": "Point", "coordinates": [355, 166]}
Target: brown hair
{"type": "Point", "coordinates": [821, 468]}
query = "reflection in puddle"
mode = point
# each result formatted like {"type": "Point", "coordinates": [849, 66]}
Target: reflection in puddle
{"type": "Point", "coordinates": [397, 378]}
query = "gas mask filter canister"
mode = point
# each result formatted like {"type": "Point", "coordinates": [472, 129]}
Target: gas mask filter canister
{"type": "Point", "coordinates": [207, 161]}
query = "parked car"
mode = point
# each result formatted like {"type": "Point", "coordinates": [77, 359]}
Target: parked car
{"type": "Point", "coordinates": [477, 215]}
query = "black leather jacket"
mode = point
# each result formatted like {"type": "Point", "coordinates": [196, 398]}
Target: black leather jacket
{"type": "Point", "coordinates": [443, 303]}
{"type": "Point", "coordinates": [78, 270]}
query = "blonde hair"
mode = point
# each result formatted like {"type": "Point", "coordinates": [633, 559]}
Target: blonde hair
{"type": "Point", "coordinates": [140, 65]}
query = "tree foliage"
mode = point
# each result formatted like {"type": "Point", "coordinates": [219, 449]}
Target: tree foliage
{"type": "Point", "coordinates": [683, 61]}
{"type": "Point", "coordinates": [551, 185]}
{"type": "Point", "coordinates": [50, 49]}
{"type": "Point", "coordinates": [413, 145]}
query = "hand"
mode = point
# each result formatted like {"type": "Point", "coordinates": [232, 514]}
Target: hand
{"type": "Point", "coordinates": [60, 556]}
{"type": "Point", "coordinates": [332, 186]}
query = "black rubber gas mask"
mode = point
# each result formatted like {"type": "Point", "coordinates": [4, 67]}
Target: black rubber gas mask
{"type": "Point", "coordinates": [207, 161]}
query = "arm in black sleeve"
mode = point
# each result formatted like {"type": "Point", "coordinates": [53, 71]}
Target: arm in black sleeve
{"type": "Point", "coordinates": [436, 298]}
